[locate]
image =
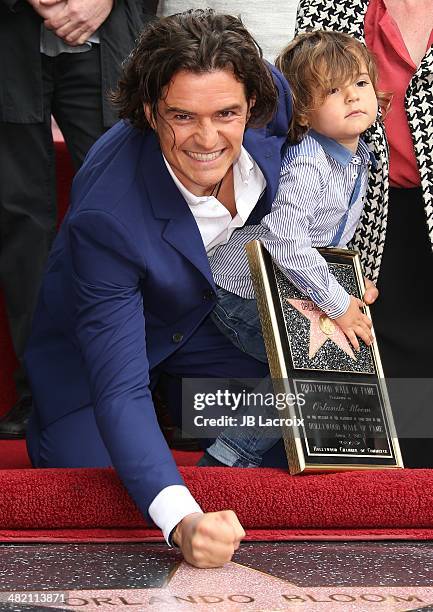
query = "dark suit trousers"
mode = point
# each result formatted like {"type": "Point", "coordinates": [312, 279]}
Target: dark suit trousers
{"type": "Point", "coordinates": [28, 212]}
{"type": "Point", "coordinates": [74, 440]}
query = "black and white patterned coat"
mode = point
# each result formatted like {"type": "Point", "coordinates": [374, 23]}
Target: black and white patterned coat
{"type": "Point", "coordinates": [348, 16]}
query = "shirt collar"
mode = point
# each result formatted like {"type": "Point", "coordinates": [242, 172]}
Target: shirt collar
{"type": "Point", "coordinates": [341, 154]}
{"type": "Point", "coordinates": [244, 165]}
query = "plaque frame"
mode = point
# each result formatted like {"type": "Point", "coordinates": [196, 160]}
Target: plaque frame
{"type": "Point", "coordinates": [283, 373]}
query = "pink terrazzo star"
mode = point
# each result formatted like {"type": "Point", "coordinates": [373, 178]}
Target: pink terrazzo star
{"type": "Point", "coordinates": [322, 328]}
{"type": "Point", "coordinates": [238, 588]}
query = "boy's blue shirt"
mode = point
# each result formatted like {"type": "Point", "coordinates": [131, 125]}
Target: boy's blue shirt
{"type": "Point", "coordinates": [318, 203]}
{"type": "Point", "coordinates": [340, 153]}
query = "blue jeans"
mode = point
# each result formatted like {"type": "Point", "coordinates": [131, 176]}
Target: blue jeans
{"type": "Point", "coordinates": [238, 319]}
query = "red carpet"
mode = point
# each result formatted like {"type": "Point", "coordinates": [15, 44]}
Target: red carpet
{"type": "Point", "coordinates": [91, 504]}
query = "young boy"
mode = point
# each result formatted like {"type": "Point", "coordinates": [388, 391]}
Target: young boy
{"type": "Point", "coordinates": [322, 186]}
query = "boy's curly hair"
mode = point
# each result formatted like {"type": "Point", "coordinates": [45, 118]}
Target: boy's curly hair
{"type": "Point", "coordinates": [314, 63]}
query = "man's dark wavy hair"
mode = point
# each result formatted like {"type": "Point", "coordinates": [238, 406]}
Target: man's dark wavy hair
{"type": "Point", "coordinates": [198, 41]}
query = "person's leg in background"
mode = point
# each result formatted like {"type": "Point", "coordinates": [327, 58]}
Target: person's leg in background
{"type": "Point", "coordinates": [27, 228]}
{"type": "Point", "coordinates": [72, 93]}
{"type": "Point", "coordinates": [403, 322]}
{"type": "Point", "coordinates": [77, 101]}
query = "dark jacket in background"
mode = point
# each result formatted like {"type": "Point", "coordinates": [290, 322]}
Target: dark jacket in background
{"type": "Point", "coordinates": [20, 65]}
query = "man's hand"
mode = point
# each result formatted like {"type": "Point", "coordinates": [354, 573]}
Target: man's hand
{"type": "Point", "coordinates": [355, 323]}
{"type": "Point", "coordinates": [371, 292]}
{"type": "Point", "coordinates": [78, 19]}
{"type": "Point", "coordinates": [209, 540]}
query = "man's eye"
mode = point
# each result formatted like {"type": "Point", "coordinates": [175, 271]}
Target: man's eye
{"type": "Point", "coordinates": [182, 117]}
{"type": "Point", "coordinates": [226, 114]}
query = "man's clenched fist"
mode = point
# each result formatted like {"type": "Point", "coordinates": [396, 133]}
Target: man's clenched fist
{"type": "Point", "coordinates": [209, 540]}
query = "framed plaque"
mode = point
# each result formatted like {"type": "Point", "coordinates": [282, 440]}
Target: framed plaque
{"type": "Point", "coordinates": [342, 408]}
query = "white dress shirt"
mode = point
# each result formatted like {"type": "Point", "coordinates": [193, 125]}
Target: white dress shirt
{"type": "Point", "coordinates": [214, 221]}
{"type": "Point", "coordinates": [216, 225]}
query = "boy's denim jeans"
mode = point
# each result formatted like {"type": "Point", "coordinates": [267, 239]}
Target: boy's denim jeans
{"type": "Point", "coordinates": [238, 319]}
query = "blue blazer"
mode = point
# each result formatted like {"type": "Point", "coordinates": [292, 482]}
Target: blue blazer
{"type": "Point", "coordinates": [128, 271]}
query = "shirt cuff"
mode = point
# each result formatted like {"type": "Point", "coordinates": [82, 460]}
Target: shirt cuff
{"type": "Point", "coordinates": [337, 302]}
{"type": "Point", "coordinates": [170, 506]}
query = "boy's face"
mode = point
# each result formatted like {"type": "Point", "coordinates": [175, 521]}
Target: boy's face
{"type": "Point", "coordinates": [347, 111]}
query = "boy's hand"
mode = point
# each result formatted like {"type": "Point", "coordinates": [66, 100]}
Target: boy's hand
{"type": "Point", "coordinates": [210, 539]}
{"type": "Point", "coordinates": [371, 292]}
{"type": "Point", "coordinates": [355, 323]}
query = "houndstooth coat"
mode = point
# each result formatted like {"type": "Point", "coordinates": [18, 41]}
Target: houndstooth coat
{"type": "Point", "coordinates": [348, 16]}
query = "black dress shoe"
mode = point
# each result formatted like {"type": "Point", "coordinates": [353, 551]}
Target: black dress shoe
{"type": "Point", "coordinates": [14, 423]}
{"type": "Point", "coordinates": [209, 461]}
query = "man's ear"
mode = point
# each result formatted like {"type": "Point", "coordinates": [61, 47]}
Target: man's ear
{"type": "Point", "coordinates": [149, 116]}
{"type": "Point", "coordinates": [251, 104]}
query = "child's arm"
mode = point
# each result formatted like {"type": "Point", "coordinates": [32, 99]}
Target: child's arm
{"type": "Point", "coordinates": [294, 232]}
{"type": "Point", "coordinates": [351, 321]}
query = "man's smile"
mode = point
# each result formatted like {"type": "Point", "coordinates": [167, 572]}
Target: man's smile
{"type": "Point", "coordinates": [204, 157]}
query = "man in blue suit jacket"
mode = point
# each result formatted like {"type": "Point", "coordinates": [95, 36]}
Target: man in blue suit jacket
{"type": "Point", "coordinates": [128, 289]}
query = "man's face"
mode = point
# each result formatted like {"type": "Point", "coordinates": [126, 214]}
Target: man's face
{"type": "Point", "coordinates": [200, 125]}
{"type": "Point", "coordinates": [347, 111]}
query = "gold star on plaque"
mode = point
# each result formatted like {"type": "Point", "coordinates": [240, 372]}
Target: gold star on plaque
{"type": "Point", "coordinates": [322, 328]}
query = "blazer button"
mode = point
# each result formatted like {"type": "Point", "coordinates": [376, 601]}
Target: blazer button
{"type": "Point", "coordinates": [177, 337]}
{"type": "Point", "coordinates": [208, 294]}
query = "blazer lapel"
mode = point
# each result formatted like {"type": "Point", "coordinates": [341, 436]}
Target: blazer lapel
{"type": "Point", "coordinates": [267, 145]}
{"type": "Point", "coordinates": [267, 153]}
{"type": "Point", "coordinates": [181, 230]}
